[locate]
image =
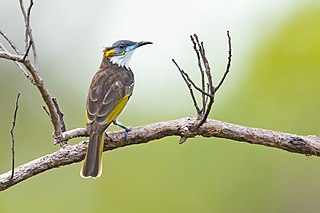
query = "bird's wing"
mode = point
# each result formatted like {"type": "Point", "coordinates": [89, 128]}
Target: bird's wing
{"type": "Point", "coordinates": [107, 97]}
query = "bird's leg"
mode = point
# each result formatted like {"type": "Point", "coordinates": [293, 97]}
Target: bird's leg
{"type": "Point", "coordinates": [127, 129]}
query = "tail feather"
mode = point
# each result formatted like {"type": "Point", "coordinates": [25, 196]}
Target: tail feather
{"type": "Point", "coordinates": [92, 166]}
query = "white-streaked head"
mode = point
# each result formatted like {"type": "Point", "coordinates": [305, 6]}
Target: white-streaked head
{"type": "Point", "coordinates": [121, 51]}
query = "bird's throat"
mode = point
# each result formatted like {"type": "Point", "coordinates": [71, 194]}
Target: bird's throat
{"type": "Point", "coordinates": [122, 60]}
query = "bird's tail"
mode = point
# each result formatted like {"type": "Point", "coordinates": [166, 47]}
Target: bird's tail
{"type": "Point", "coordinates": [92, 166]}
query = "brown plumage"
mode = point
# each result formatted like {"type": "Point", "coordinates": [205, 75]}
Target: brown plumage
{"type": "Point", "coordinates": [110, 86]}
{"type": "Point", "coordinates": [109, 92]}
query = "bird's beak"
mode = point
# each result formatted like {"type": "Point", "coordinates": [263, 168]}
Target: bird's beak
{"type": "Point", "coordinates": [141, 43]}
{"type": "Point", "coordinates": [137, 44]}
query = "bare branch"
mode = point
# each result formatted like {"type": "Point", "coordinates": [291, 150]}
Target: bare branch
{"type": "Point", "coordinates": [11, 43]}
{"type": "Point", "coordinates": [228, 64]}
{"type": "Point", "coordinates": [62, 143]}
{"type": "Point", "coordinates": [204, 103]}
{"type": "Point", "coordinates": [211, 88]}
{"type": "Point", "coordinates": [32, 72]}
{"type": "Point", "coordinates": [12, 134]}
{"type": "Point", "coordinates": [207, 108]}
{"type": "Point", "coordinates": [207, 97]}
{"type": "Point", "coordinates": [189, 79]}
{"type": "Point", "coordinates": [46, 111]}
{"type": "Point", "coordinates": [189, 87]}
{"type": "Point", "coordinates": [27, 52]}
{"type": "Point", "coordinates": [11, 57]}
{"type": "Point", "coordinates": [14, 58]}
{"type": "Point", "coordinates": [46, 97]}
{"type": "Point", "coordinates": [62, 124]}
{"type": "Point", "coordinates": [307, 145]}
{"type": "Point", "coordinates": [74, 133]}
{"type": "Point", "coordinates": [28, 32]}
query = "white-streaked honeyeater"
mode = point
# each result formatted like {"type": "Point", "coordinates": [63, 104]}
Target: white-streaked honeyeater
{"type": "Point", "coordinates": [109, 92]}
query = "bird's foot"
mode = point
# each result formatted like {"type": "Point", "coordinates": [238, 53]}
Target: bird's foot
{"type": "Point", "coordinates": [126, 129]}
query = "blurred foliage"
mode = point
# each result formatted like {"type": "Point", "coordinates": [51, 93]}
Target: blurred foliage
{"type": "Point", "coordinates": [202, 175]}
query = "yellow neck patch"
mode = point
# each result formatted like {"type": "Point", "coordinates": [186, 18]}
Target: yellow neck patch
{"type": "Point", "coordinates": [109, 53]}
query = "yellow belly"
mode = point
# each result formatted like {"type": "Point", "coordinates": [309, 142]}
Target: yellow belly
{"type": "Point", "coordinates": [117, 110]}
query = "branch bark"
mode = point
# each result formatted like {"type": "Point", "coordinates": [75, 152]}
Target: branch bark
{"type": "Point", "coordinates": [307, 145]}
{"type": "Point", "coordinates": [206, 77]}
{"type": "Point", "coordinates": [184, 128]}
{"type": "Point", "coordinates": [12, 132]}
{"type": "Point", "coordinates": [31, 70]}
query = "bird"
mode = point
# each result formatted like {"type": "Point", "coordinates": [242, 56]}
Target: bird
{"type": "Point", "coordinates": [110, 89]}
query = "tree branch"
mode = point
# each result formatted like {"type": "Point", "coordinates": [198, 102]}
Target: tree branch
{"type": "Point", "coordinates": [11, 57]}
{"type": "Point", "coordinates": [307, 145]}
{"type": "Point", "coordinates": [15, 58]}
{"type": "Point", "coordinates": [185, 77]}
{"type": "Point", "coordinates": [188, 80]}
{"type": "Point", "coordinates": [207, 97]}
{"type": "Point", "coordinates": [228, 64]}
{"type": "Point", "coordinates": [32, 73]}
{"type": "Point", "coordinates": [184, 128]}
{"type": "Point", "coordinates": [201, 73]}
{"type": "Point", "coordinates": [11, 43]}
{"type": "Point", "coordinates": [12, 134]}
{"type": "Point", "coordinates": [28, 32]}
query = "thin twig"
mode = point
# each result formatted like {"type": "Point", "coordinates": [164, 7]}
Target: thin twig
{"type": "Point", "coordinates": [41, 87]}
{"type": "Point", "coordinates": [207, 68]}
{"type": "Point", "coordinates": [29, 11]}
{"type": "Point", "coordinates": [201, 72]}
{"type": "Point", "coordinates": [62, 124]}
{"type": "Point", "coordinates": [189, 87]}
{"type": "Point", "coordinates": [6, 53]}
{"type": "Point", "coordinates": [28, 32]}
{"type": "Point", "coordinates": [11, 57]}
{"type": "Point", "coordinates": [11, 43]}
{"type": "Point", "coordinates": [22, 9]}
{"type": "Point", "coordinates": [228, 64]}
{"type": "Point", "coordinates": [12, 134]}
{"type": "Point", "coordinates": [31, 70]}
{"type": "Point", "coordinates": [210, 85]}
{"type": "Point", "coordinates": [27, 52]}
{"type": "Point", "coordinates": [207, 108]}
{"type": "Point", "coordinates": [26, 21]}
{"type": "Point", "coordinates": [189, 79]}
{"type": "Point", "coordinates": [62, 143]}
{"type": "Point", "coordinates": [205, 63]}
{"type": "Point", "coordinates": [207, 96]}
{"type": "Point", "coordinates": [34, 70]}
{"type": "Point", "coordinates": [47, 112]}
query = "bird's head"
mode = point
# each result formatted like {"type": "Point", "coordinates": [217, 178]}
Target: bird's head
{"type": "Point", "coordinates": [121, 51]}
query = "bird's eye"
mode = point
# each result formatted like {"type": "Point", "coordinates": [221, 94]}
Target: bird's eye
{"type": "Point", "coordinates": [121, 46]}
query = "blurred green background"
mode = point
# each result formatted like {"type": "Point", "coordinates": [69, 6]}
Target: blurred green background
{"type": "Point", "coordinates": [273, 84]}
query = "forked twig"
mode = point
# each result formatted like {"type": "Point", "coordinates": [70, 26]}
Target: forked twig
{"type": "Point", "coordinates": [62, 124]}
{"type": "Point", "coordinates": [12, 133]}
{"type": "Point", "coordinates": [27, 52]}
{"type": "Point", "coordinates": [201, 72]}
{"type": "Point", "coordinates": [189, 80]}
{"type": "Point", "coordinates": [228, 64]}
{"type": "Point", "coordinates": [46, 111]}
{"type": "Point", "coordinates": [28, 32]}
{"type": "Point", "coordinates": [14, 47]}
{"type": "Point", "coordinates": [206, 79]}
{"type": "Point", "coordinates": [10, 42]}
{"type": "Point", "coordinates": [31, 69]}
{"type": "Point", "coordinates": [189, 87]}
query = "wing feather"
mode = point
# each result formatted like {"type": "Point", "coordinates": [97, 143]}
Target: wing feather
{"type": "Point", "coordinates": [108, 94]}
